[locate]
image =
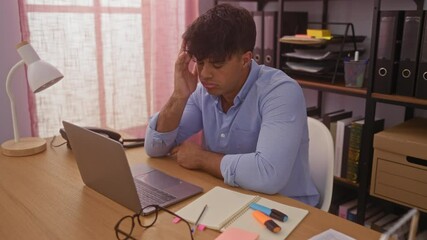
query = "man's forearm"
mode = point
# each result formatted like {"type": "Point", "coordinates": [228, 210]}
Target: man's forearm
{"type": "Point", "coordinates": [193, 156]}
{"type": "Point", "coordinates": [170, 115]}
{"type": "Point", "coordinates": [211, 163]}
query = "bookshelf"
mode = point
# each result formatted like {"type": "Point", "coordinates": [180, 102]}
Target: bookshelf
{"type": "Point", "coordinates": [410, 104]}
{"type": "Point", "coordinates": [372, 98]}
{"type": "Point", "coordinates": [333, 88]}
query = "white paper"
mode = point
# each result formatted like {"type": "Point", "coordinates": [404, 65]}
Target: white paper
{"type": "Point", "coordinates": [308, 66]}
{"type": "Point", "coordinates": [331, 234]}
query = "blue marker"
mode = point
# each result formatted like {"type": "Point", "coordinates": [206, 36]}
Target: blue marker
{"type": "Point", "coordinates": [276, 214]}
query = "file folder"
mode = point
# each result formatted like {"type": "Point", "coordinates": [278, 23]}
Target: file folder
{"type": "Point", "coordinates": [258, 48]}
{"type": "Point", "coordinates": [421, 83]}
{"type": "Point", "coordinates": [293, 23]}
{"type": "Point", "coordinates": [388, 49]}
{"type": "Point", "coordinates": [265, 49]}
{"type": "Point", "coordinates": [409, 53]}
{"type": "Point", "coordinates": [270, 38]}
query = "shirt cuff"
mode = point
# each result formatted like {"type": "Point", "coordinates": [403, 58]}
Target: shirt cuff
{"type": "Point", "coordinates": [160, 140]}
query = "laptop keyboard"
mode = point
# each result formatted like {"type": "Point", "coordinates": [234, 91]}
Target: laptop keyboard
{"type": "Point", "coordinates": [149, 195]}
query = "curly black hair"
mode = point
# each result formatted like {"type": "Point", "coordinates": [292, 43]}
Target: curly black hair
{"type": "Point", "coordinates": [221, 32]}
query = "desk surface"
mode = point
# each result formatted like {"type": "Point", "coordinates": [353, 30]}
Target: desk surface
{"type": "Point", "coordinates": [43, 197]}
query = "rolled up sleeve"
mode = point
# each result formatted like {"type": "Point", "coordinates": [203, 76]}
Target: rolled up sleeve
{"type": "Point", "coordinates": [158, 144]}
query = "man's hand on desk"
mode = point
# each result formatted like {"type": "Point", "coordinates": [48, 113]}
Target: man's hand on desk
{"type": "Point", "coordinates": [192, 156]}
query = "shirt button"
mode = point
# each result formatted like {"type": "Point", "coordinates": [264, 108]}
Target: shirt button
{"type": "Point", "coordinates": [222, 135]}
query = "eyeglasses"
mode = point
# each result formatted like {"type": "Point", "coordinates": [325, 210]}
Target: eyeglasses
{"type": "Point", "coordinates": [125, 226]}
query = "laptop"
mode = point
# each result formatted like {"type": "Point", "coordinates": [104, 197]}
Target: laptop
{"type": "Point", "coordinates": [104, 167]}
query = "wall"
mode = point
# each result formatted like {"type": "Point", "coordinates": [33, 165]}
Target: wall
{"type": "Point", "coordinates": [10, 36]}
{"type": "Point", "coordinates": [10, 29]}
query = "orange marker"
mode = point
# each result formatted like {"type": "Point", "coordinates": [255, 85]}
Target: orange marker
{"type": "Point", "coordinates": [266, 221]}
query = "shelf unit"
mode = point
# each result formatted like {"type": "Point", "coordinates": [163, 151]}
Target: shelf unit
{"type": "Point", "coordinates": [371, 99]}
{"type": "Point", "coordinates": [410, 103]}
{"type": "Point", "coordinates": [346, 38]}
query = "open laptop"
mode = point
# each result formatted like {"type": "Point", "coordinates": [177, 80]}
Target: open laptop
{"type": "Point", "coordinates": [104, 167]}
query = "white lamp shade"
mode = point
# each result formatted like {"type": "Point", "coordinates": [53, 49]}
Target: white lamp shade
{"type": "Point", "coordinates": [42, 75]}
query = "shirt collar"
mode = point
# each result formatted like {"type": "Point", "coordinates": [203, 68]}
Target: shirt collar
{"type": "Point", "coordinates": [253, 76]}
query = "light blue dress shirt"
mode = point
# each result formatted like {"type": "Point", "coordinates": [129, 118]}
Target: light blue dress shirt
{"type": "Point", "coordinates": [264, 135]}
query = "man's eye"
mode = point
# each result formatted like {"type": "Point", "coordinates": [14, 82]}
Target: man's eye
{"type": "Point", "coordinates": [218, 65]}
{"type": "Point", "coordinates": [200, 63]}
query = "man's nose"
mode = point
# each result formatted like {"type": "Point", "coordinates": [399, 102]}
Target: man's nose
{"type": "Point", "coordinates": [205, 71]}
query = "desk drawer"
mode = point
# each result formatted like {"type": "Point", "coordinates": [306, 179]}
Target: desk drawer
{"type": "Point", "coordinates": [397, 180]}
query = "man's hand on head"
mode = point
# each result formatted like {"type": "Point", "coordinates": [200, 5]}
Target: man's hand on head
{"type": "Point", "coordinates": [185, 79]}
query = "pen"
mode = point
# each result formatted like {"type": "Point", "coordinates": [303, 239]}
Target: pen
{"type": "Point", "coordinates": [356, 56]}
{"type": "Point", "coordinates": [197, 221]}
{"type": "Point", "coordinates": [276, 214]}
{"type": "Point", "coordinates": [266, 221]}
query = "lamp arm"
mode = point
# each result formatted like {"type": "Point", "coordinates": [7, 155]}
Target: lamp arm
{"type": "Point", "coordinates": [12, 99]}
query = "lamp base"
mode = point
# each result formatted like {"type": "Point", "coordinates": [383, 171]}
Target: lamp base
{"type": "Point", "coordinates": [24, 147]}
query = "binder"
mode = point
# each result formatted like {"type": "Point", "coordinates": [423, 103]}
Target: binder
{"type": "Point", "coordinates": [409, 53]}
{"type": "Point", "coordinates": [258, 48]}
{"type": "Point", "coordinates": [388, 49]}
{"type": "Point", "coordinates": [313, 111]}
{"type": "Point", "coordinates": [341, 142]}
{"type": "Point", "coordinates": [329, 113]}
{"type": "Point", "coordinates": [421, 83]}
{"type": "Point", "coordinates": [293, 23]}
{"type": "Point", "coordinates": [266, 38]}
{"type": "Point", "coordinates": [270, 35]}
{"type": "Point", "coordinates": [333, 117]}
{"type": "Point", "coordinates": [345, 148]}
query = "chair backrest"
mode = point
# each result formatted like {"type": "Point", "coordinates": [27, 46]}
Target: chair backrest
{"type": "Point", "coordinates": [321, 160]}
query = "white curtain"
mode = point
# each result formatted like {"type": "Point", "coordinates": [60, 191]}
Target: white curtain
{"type": "Point", "coordinates": [117, 57]}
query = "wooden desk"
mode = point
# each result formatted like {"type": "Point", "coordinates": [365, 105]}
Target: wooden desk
{"type": "Point", "coordinates": [43, 197]}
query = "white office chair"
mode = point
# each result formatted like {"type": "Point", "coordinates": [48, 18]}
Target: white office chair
{"type": "Point", "coordinates": [321, 160]}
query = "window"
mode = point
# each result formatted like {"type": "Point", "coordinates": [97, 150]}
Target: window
{"type": "Point", "coordinates": [117, 58]}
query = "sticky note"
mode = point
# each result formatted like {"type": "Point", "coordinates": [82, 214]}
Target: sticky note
{"type": "Point", "coordinates": [237, 233]}
{"type": "Point", "coordinates": [176, 220]}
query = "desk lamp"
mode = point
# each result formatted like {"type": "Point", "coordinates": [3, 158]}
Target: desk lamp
{"type": "Point", "coordinates": [41, 75]}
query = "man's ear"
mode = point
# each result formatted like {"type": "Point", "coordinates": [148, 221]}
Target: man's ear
{"type": "Point", "coordinates": [247, 57]}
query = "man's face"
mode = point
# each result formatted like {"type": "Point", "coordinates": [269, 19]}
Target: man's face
{"type": "Point", "coordinates": [224, 78]}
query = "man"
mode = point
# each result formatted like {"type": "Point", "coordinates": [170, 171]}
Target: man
{"type": "Point", "coordinates": [253, 117]}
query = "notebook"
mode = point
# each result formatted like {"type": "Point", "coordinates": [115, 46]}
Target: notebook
{"type": "Point", "coordinates": [104, 167]}
{"type": "Point", "coordinates": [227, 208]}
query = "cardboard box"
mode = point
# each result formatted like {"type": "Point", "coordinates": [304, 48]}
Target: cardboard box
{"type": "Point", "coordinates": [399, 168]}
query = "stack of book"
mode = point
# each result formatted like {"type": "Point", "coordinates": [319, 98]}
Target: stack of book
{"type": "Point", "coordinates": [346, 131]}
